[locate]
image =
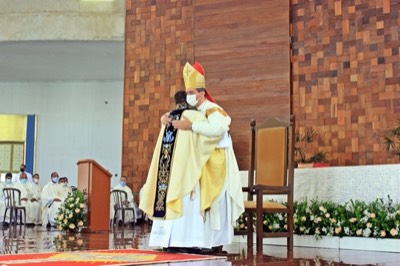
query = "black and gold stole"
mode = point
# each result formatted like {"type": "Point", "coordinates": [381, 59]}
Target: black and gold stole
{"type": "Point", "coordinates": [164, 165]}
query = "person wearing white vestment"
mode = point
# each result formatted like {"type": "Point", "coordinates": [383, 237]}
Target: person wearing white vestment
{"type": "Point", "coordinates": [52, 197]}
{"type": "Point", "coordinates": [8, 183]}
{"type": "Point", "coordinates": [129, 218]}
{"type": "Point", "coordinates": [32, 206]}
{"type": "Point", "coordinates": [63, 182]}
{"type": "Point", "coordinates": [219, 186]}
{"type": "Point", "coordinates": [37, 188]}
{"type": "Point", "coordinates": [36, 194]}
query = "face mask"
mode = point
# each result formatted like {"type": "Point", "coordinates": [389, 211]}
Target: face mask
{"type": "Point", "coordinates": [191, 99]}
{"type": "Point", "coordinates": [35, 180]}
{"type": "Point", "coordinates": [8, 181]}
{"type": "Point", "coordinates": [122, 183]}
{"type": "Point", "coordinates": [54, 179]}
{"type": "Point", "coordinates": [23, 181]}
{"type": "Point", "coordinates": [65, 184]}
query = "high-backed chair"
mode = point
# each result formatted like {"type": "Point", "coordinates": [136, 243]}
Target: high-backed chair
{"type": "Point", "coordinates": [271, 173]}
{"type": "Point", "coordinates": [118, 197]}
{"type": "Point", "coordinates": [12, 198]}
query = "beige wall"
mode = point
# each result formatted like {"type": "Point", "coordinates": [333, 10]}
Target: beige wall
{"type": "Point", "coordinates": [61, 20]}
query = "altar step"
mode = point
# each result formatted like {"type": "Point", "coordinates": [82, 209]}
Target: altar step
{"type": "Point", "coordinates": [354, 243]}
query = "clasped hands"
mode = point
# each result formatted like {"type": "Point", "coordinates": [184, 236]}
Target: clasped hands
{"type": "Point", "coordinates": [26, 199]}
{"type": "Point", "coordinates": [183, 124]}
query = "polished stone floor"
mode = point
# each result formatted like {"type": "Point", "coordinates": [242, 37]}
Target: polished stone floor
{"type": "Point", "coordinates": [37, 239]}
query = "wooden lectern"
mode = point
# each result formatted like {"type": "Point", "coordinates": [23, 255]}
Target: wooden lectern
{"type": "Point", "coordinates": [95, 180]}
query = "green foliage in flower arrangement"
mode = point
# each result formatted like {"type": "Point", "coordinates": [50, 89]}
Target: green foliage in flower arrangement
{"type": "Point", "coordinates": [325, 218]}
{"type": "Point", "coordinates": [72, 213]}
{"type": "Point", "coordinates": [315, 218]}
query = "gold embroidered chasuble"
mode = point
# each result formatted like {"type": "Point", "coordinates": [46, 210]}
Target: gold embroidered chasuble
{"type": "Point", "coordinates": [191, 153]}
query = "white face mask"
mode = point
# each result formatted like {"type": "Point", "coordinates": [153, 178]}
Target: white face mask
{"type": "Point", "coordinates": [36, 180]}
{"type": "Point", "coordinates": [191, 99]}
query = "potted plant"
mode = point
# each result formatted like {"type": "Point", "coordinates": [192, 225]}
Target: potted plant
{"type": "Point", "coordinates": [72, 213]}
{"type": "Point", "coordinates": [303, 147]}
{"type": "Point", "coordinates": [392, 140]}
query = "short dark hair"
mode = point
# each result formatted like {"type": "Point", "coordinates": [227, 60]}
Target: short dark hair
{"type": "Point", "coordinates": [180, 97]}
{"type": "Point", "coordinates": [8, 175]}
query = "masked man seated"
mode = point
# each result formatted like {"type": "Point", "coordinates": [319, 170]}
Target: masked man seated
{"type": "Point", "coordinates": [32, 205]}
{"type": "Point", "coordinates": [129, 203]}
{"type": "Point", "coordinates": [53, 195]}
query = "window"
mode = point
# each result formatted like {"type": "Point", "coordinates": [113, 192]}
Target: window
{"type": "Point", "coordinates": [11, 157]}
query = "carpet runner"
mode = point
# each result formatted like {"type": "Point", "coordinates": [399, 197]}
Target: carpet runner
{"type": "Point", "coordinates": [101, 257]}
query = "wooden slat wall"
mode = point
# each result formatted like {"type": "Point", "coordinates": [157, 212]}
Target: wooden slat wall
{"type": "Point", "coordinates": [346, 76]}
{"type": "Point", "coordinates": [243, 46]}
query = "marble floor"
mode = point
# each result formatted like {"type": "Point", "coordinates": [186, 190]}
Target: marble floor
{"type": "Point", "coordinates": [21, 239]}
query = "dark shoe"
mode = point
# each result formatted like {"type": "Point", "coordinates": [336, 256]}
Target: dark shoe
{"type": "Point", "coordinates": [171, 249]}
{"type": "Point", "coordinates": [182, 250]}
{"type": "Point", "coordinates": [206, 251]}
{"type": "Point", "coordinates": [213, 251]}
{"type": "Point", "coordinates": [219, 250]}
{"type": "Point", "coordinates": [190, 250]}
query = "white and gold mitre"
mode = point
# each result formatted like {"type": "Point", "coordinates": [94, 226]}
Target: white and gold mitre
{"type": "Point", "coordinates": [193, 76]}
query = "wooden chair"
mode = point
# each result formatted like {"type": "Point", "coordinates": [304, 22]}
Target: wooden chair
{"type": "Point", "coordinates": [118, 197]}
{"type": "Point", "coordinates": [271, 173]}
{"type": "Point", "coordinates": [12, 198]}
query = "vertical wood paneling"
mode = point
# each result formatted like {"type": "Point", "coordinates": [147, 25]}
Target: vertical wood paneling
{"type": "Point", "coordinates": [244, 48]}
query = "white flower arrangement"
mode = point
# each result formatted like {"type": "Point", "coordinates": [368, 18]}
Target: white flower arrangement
{"type": "Point", "coordinates": [72, 213]}
{"type": "Point", "coordinates": [355, 218]}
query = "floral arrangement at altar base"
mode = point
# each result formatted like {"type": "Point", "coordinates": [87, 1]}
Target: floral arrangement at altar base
{"type": "Point", "coordinates": [72, 213]}
{"type": "Point", "coordinates": [378, 219]}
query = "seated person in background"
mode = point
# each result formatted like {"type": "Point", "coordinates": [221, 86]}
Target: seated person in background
{"type": "Point", "coordinates": [53, 195]}
{"type": "Point", "coordinates": [63, 182]}
{"type": "Point", "coordinates": [128, 203]}
{"type": "Point", "coordinates": [9, 181]}
{"type": "Point", "coordinates": [32, 206]}
{"type": "Point", "coordinates": [37, 188]}
{"type": "Point", "coordinates": [36, 193]}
